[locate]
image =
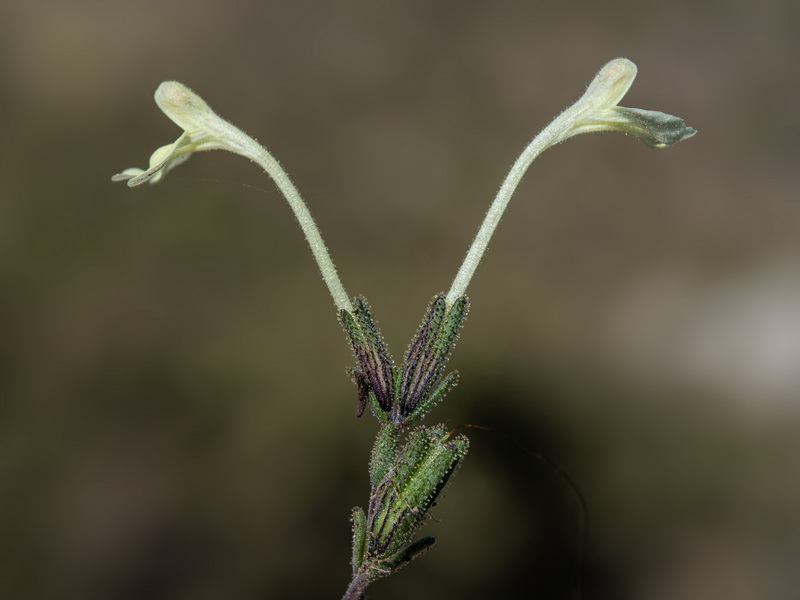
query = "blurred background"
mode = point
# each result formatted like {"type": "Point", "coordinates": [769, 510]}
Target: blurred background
{"type": "Point", "coordinates": [176, 417]}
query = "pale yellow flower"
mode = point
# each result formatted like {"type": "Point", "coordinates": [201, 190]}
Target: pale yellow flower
{"type": "Point", "coordinates": [598, 110]}
{"type": "Point", "coordinates": [202, 130]}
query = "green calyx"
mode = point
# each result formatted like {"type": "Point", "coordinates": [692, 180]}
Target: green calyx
{"type": "Point", "coordinates": [405, 484]}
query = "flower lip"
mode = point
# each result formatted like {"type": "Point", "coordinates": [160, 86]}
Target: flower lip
{"type": "Point", "coordinates": [653, 127]}
{"type": "Point", "coordinates": [610, 85]}
{"type": "Point", "coordinates": [163, 160]}
{"type": "Point", "coordinates": [185, 108]}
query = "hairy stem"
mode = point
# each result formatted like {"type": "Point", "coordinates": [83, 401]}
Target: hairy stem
{"type": "Point", "coordinates": [540, 143]}
{"type": "Point", "coordinates": [318, 248]}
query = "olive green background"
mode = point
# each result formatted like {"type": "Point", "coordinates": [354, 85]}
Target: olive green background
{"type": "Point", "coordinates": [176, 419]}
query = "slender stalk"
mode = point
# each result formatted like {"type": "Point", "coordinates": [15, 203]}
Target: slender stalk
{"type": "Point", "coordinates": [245, 145]}
{"type": "Point", "coordinates": [550, 135]}
{"type": "Point", "coordinates": [318, 248]}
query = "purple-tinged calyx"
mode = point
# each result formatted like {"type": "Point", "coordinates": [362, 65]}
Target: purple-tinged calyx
{"type": "Point", "coordinates": [403, 395]}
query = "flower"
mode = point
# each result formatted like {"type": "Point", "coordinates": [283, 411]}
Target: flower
{"type": "Point", "coordinates": [203, 130]}
{"type": "Point", "coordinates": [598, 110]}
